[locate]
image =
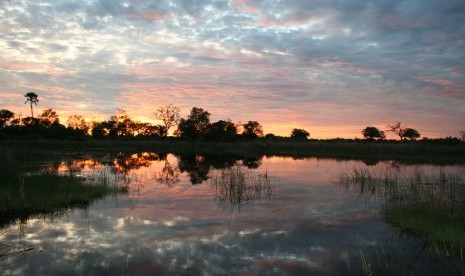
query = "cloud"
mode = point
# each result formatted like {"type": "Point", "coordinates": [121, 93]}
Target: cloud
{"type": "Point", "coordinates": [244, 57]}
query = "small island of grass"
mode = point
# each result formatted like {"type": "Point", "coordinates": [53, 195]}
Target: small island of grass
{"type": "Point", "coordinates": [23, 195]}
{"type": "Point", "coordinates": [426, 205]}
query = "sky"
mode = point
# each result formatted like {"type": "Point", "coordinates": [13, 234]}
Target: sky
{"type": "Point", "coordinates": [330, 67]}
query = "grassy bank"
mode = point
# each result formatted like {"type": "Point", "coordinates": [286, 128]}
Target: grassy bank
{"type": "Point", "coordinates": [444, 233]}
{"type": "Point", "coordinates": [26, 194]}
{"type": "Point", "coordinates": [415, 151]}
{"type": "Point", "coordinates": [430, 206]}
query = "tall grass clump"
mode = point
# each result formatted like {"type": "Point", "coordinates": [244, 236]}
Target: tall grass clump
{"type": "Point", "coordinates": [25, 194]}
{"type": "Point", "coordinates": [236, 188]}
{"type": "Point", "coordinates": [429, 205]}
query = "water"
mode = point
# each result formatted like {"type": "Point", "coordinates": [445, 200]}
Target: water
{"type": "Point", "coordinates": [174, 221]}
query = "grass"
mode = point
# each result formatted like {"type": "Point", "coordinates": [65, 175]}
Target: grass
{"type": "Point", "coordinates": [445, 234]}
{"type": "Point", "coordinates": [235, 188]}
{"type": "Point", "coordinates": [364, 263]}
{"type": "Point", "coordinates": [430, 206]}
{"type": "Point", "coordinates": [26, 194]}
{"type": "Point", "coordinates": [420, 151]}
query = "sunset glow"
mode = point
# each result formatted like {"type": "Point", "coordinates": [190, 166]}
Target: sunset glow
{"type": "Point", "coordinates": [329, 67]}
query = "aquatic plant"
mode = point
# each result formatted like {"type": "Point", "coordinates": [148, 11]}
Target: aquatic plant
{"type": "Point", "coordinates": [23, 194]}
{"type": "Point", "coordinates": [236, 188]}
{"type": "Point", "coordinates": [431, 206]}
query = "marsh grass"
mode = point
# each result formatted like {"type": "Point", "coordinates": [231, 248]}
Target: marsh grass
{"type": "Point", "coordinates": [236, 188]}
{"type": "Point", "coordinates": [428, 205]}
{"type": "Point", "coordinates": [25, 194]}
{"type": "Point", "coordinates": [364, 262]}
{"type": "Point", "coordinates": [419, 151]}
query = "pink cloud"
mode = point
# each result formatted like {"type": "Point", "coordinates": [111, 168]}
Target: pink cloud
{"type": "Point", "coordinates": [457, 71]}
{"type": "Point", "coordinates": [288, 21]}
{"type": "Point", "coordinates": [148, 15]}
{"type": "Point", "coordinates": [25, 66]}
{"type": "Point", "coordinates": [301, 20]}
{"type": "Point", "coordinates": [267, 20]}
{"type": "Point", "coordinates": [244, 6]}
{"type": "Point", "coordinates": [448, 87]}
{"type": "Point", "coordinates": [357, 69]}
{"type": "Point", "coordinates": [436, 80]}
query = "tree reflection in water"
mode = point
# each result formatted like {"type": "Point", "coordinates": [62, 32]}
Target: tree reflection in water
{"type": "Point", "coordinates": [198, 167]}
{"type": "Point", "coordinates": [169, 175]}
{"type": "Point", "coordinates": [73, 166]}
{"type": "Point", "coordinates": [252, 163]}
{"type": "Point", "coordinates": [124, 163]}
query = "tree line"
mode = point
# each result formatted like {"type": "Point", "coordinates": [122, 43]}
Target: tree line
{"type": "Point", "coordinates": [373, 133]}
{"type": "Point", "coordinates": [196, 126]}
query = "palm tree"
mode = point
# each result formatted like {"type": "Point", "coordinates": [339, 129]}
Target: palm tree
{"type": "Point", "coordinates": [32, 98]}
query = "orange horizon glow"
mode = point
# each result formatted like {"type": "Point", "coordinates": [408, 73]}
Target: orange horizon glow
{"type": "Point", "coordinates": [279, 129]}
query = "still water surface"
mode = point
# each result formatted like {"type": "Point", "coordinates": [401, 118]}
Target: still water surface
{"type": "Point", "coordinates": [175, 221]}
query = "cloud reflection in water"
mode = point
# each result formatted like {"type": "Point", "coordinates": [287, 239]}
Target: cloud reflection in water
{"type": "Point", "coordinates": [308, 226]}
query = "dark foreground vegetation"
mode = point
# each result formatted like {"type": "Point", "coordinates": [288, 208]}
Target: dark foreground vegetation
{"type": "Point", "coordinates": [23, 195]}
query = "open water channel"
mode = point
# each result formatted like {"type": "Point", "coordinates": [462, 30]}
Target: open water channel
{"type": "Point", "coordinates": [293, 220]}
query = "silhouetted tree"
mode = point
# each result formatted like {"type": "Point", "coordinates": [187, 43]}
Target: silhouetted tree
{"type": "Point", "coordinates": [32, 98]}
{"type": "Point", "coordinates": [462, 135]}
{"type": "Point", "coordinates": [148, 130]}
{"type": "Point", "coordinates": [78, 123]}
{"type": "Point", "coordinates": [271, 136]}
{"type": "Point", "coordinates": [48, 118]}
{"type": "Point", "coordinates": [100, 129]}
{"type": "Point", "coordinates": [411, 134]}
{"type": "Point", "coordinates": [197, 124]}
{"type": "Point", "coordinates": [16, 121]}
{"type": "Point", "coordinates": [121, 125]}
{"type": "Point", "coordinates": [301, 134]}
{"type": "Point", "coordinates": [252, 129]}
{"type": "Point", "coordinates": [372, 133]}
{"type": "Point", "coordinates": [5, 117]}
{"type": "Point", "coordinates": [169, 115]}
{"type": "Point", "coordinates": [222, 131]}
{"type": "Point", "coordinates": [398, 129]}
{"type": "Point", "coordinates": [30, 122]}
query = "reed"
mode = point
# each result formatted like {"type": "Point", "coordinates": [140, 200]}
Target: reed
{"type": "Point", "coordinates": [25, 194]}
{"type": "Point", "coordinates": [431, 206]}
{"type": "Point", "coordinates": [236, 188]}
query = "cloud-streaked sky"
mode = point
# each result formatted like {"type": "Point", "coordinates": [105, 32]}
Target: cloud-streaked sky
{"type": "Point", "coordinates": [330, 67]}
